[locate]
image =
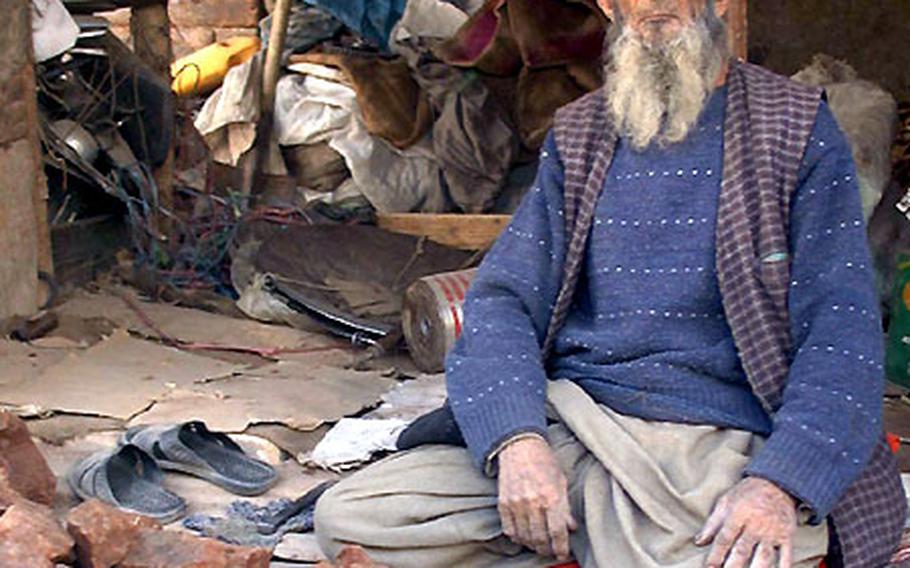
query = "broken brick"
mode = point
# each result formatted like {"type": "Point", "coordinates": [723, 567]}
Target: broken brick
{"type": "Point", "coordinates": [21, 463]}
{"type": "Point", "coordinates": [107, 537]}
{"type": "Point", "coordinates": [214, 13]}
{"type": "Point", "coordinates": [168, 549]}
{"type": "Point", "coordinates": [30, 536]}
{"type": "Point", "coordinates": [352, 557]}
{"type": "Point", "coordinates": [104, 534]}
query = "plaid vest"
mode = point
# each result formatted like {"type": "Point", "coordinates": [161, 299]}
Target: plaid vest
{"type": "Point", "coordinates": [768, 123]}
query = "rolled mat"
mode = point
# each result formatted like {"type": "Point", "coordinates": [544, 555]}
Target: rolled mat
{"type": "Point", "coordinates": [432, 316]}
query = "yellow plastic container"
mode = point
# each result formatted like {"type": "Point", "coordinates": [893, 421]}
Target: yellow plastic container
{"type": "Point", "coordinates": [203, 71]}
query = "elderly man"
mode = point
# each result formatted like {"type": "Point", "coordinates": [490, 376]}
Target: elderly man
{"type": "Point", "coordinates": [672, 357]}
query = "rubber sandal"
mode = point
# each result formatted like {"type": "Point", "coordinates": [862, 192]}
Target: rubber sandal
{"type": "Point", "coordinates": [193, 449]}
{"type": "Point", "coordinates": [128, 479]}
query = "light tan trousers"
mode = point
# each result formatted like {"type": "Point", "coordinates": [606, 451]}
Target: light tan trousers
{"type": "Point", "coordinates": [640, 490]}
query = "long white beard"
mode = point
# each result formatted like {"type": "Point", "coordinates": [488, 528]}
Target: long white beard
{"type": "Point", "coordinates": [656, 93]}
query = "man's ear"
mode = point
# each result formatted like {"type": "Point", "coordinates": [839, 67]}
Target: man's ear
{"type": "Point", "coordinates": [721, 7]}
{"type": "Point", "coordinates": [607, 7]}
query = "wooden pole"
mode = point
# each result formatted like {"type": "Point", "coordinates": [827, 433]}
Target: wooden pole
{"type": "Point", "coordinates": [738, 19]}
{"type": "Point", "coordinates": [24, 240]}
{"type": "Point", "coordinates": [150, 28]}
{"type": "Point", "coordinates": [271, 71]}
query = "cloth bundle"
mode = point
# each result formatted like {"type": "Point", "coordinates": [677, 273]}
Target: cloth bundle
{"type": "Point", "coordinates": [552, 47]}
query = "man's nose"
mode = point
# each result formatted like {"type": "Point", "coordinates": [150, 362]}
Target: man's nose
{"type": "Point", "coordinates": [659, 6]}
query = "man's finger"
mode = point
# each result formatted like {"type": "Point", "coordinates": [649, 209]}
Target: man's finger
{"type": "Point", "coordinates": [540, 538]}
{"type": "Point", "coordinates": [723, 542]}
{"type": "Point", "coordinates": [764, 556]}
{"type": "Point", "coordinates": [508, 522]}
{"type": "Point", "coordinates": [712, 525]}
{"type": "Point", "coordinates": [573, 524]}
{"type": "Point", "coordinates": [522, 529]}
{"type": "Point", "coordinates": [558, 528]}
{"type": "Point", "coordinates": [742, 551]}
{"type": "Point", "coordinates": [786, 555]}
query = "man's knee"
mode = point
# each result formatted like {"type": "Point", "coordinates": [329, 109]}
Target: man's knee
{"type": "Point", "coordinates": [329, 519]}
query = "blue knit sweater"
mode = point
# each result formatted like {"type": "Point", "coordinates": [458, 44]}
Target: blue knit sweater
{"type": "Point", "coordinates": [647, 334]}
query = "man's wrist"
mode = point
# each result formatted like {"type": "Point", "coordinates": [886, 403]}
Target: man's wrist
{"type": "Point", "coordinates": [492, 459]}
{"type": "Point", "coordinates": [797, 504]}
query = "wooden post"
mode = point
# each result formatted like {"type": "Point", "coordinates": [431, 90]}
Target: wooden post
{"type": "Point", "coordinates": [271, 71]}
{"type": "Point", "coordinates": [738, 19]}
{"type": "Point", "coordinates": [150, 28]}
{"type": "Point", "coordinates": [23, 216]}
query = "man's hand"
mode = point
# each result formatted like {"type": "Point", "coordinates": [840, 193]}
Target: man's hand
{"type": "Point", "coordinates": [754, 519]}
{"type": "Point", "coordinates": [534, 498]}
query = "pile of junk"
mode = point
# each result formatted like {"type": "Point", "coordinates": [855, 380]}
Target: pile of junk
{"type": "Point", "coordinates": [424, 106]}
{"type": "Point", "coordinates": [285, 155]}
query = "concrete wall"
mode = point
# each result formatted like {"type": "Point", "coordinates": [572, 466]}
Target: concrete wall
{"type": "Point", "coordinates": [872, 35]}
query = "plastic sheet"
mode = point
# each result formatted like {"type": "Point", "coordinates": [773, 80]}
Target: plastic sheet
{"type": "Point", "coordinates": [373, 20]}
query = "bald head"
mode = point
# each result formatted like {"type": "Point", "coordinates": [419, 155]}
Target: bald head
{"type": "Point", "coordinates": [661, 20]}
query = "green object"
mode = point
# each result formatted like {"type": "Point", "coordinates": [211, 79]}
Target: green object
{"type": "Point", "coordinates": [898, 353]}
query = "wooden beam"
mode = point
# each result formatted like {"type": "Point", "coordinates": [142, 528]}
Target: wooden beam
{"type": "Point", "coordinates": [255, 179]}
{"type": "Point", "coordinates": [21, 197]}
{"type": "Point", "coordinates": [738, 20]}
{"type": "Point", "coordinates": [469, 232]}
{"type": "Point", "coordinates": [150, 28]}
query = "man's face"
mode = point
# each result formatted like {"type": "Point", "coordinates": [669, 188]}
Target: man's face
{"type": "Point", "coordinates": [657, 21]}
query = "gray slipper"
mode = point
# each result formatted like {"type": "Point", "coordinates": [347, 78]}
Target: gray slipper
{"type": "Point", "coordinates": [128, 479]}
{"type": "Point", "coordinates": [194, 449]}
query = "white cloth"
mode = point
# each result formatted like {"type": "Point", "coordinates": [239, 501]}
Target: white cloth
{"type": "Point", "coordinates": [228, 118]}
{"type": "Point", "coordinates": [353, 441]}
{"type": "Point", "coordinates": [428, 19]}
{"type": "Point", "coordinates": [319, 107]}
{"type": "Point", "coordinates": [54, 30]}
{"type": "Point", "coordinates": [310, 109]}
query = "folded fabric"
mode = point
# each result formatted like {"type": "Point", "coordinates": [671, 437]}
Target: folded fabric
{"type": "Point", "coordinates": [473, 139]}
{"type": "Point", "coordinates": [354, 441]}
{"type": "Point", "coordinates": [436, 19]}
{"type": "Point", "coordinates": [307, 26]}
{"type": "Point", "coordinates": [542, 91]}
{"type": "Point", "coordinates": [392, 104]}
{"type": "Point", "coordinates": [372, 20]}
{"type": "Point", "coordinates": [316, 167]}
{"type": "Point", "coordinates": [310, 109]}
{"type": "Point", "coordinates": [506, 35]}
{"type": "Point", "coordinates": [227, 120]}
{"type": "Point", "coordinates": [53, 29]}
{"type": "Point", "coordinates": [551, 48]}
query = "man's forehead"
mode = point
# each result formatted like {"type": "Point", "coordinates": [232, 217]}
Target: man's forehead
{"type": "Point", "coordinates": [626, 6]}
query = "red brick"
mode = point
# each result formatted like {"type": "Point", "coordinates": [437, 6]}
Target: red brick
{"type": "Point", "coordinates": [186, 40]}
{"type": "Point", "coordinates": [222, 34]}
{"type": "Point", "coordinates": [214, 13]}
{"type": "Point", "coordinates": [352, 557]}
{"type": "Point", "coordinates": [169, 549]}
{"type": "Point", "coordinates": [21, 464]}
{"type": "Point", "coordinates": [30, 536]}
{"type": "Point", "coordinates": [104, 534]}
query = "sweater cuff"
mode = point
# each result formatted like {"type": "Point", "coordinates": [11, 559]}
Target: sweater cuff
{"type": "Point", "coordinates": [487, 425]}
{"type": "Point", "coordinates": [798, 466]}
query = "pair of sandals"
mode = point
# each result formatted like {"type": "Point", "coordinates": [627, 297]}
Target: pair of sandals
{"type": "Point", "coordinates": [130, 477]}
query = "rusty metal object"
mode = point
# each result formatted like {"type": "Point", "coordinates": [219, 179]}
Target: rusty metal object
{"type": "Point", "coordinates": [432, 317]}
